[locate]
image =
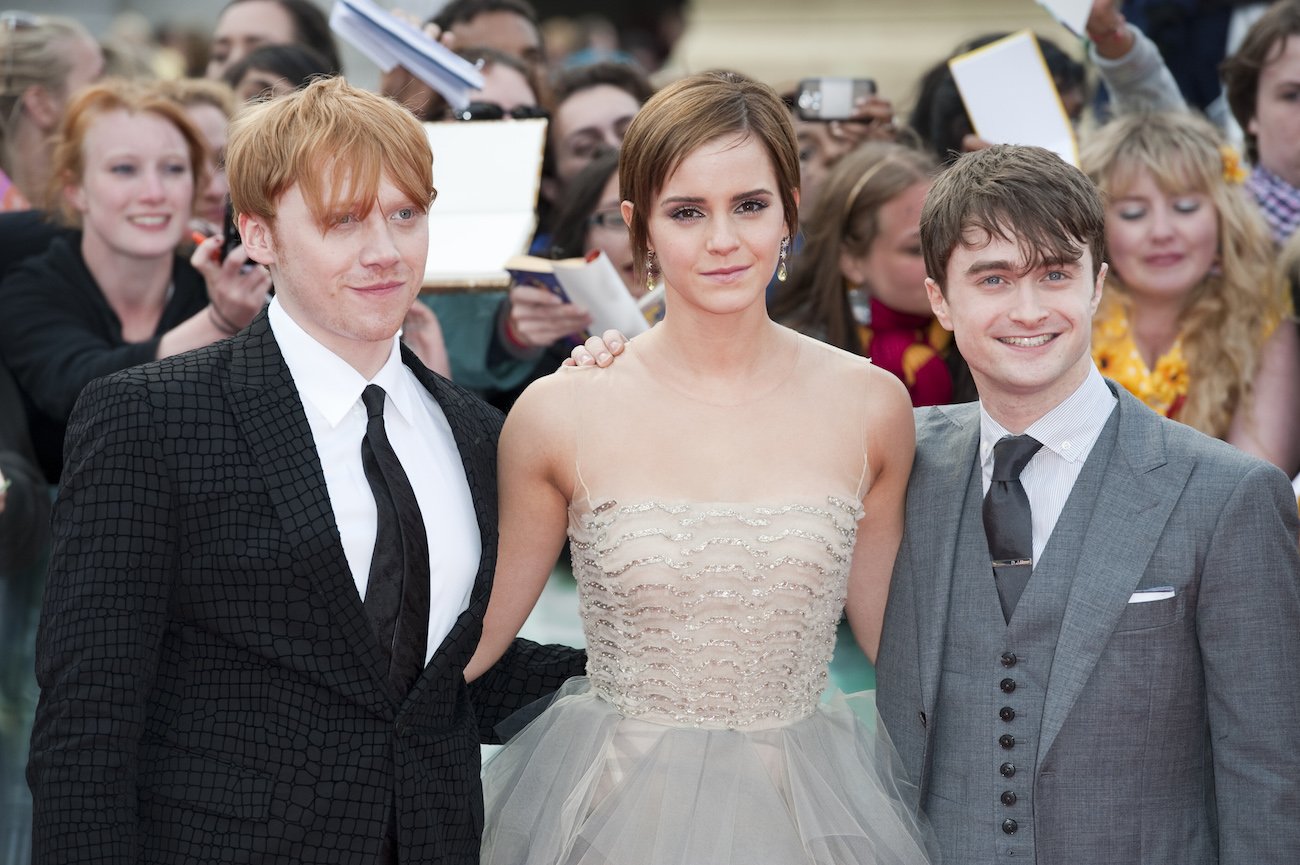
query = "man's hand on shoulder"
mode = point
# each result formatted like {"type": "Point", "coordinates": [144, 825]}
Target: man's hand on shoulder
{"type": "Point", "coordinates": [598, 350]}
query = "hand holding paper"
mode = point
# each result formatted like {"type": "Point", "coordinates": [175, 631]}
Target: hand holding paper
{"type": "Point", "coordinates": [391, 41]}
{"type": "Point", "coordinates": [1073, 14]}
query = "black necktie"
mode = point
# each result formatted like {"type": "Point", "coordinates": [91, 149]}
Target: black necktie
{"type": "Point", "coordinates": [1007, 521]}
{"type": "Point", "coordinates": [397, 595]}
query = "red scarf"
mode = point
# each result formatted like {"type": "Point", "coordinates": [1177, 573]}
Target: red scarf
{"type": "Point", "coordinates": [912, 347]}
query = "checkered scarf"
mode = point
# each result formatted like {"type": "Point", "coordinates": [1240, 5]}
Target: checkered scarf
{"type": "Point", "coordinates": [1278, 200]}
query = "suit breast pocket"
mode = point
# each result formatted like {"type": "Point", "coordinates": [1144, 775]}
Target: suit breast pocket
{"type": "Point", "coordinates": [1147, 615]}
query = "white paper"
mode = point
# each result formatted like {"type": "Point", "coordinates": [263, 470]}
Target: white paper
{"type": "Point", "coordinates": [1011, 98]}
{"type": "Point", "coordinates": [487, 173]}
{"type": "Point", "coordinates": [389, 41]}
{"type": "Point", "coordinates": [1073, 14]}
{"type": "Point", "coordinates": [597, 286]}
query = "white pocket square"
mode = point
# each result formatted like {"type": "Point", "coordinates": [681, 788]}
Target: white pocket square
{"type": "Point", "coordinates": [1146, 596]}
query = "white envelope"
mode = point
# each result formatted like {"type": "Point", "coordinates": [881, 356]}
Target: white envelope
{"type": "Point", "coordinates": [1146, 596]}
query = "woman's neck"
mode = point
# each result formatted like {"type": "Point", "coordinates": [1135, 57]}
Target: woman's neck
{"type": "Point", "coordinates": [717, 345]}
{"type": "Point", "coordinates": [1154, 326]}
{"type": "Point", "coordinates": [719, 359]}
{"type": "Point", "coordinates": [135, 288]}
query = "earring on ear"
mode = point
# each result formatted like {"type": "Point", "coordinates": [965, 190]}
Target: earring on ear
{"type": "Point", "coordinates": [780, 266]}
{"type": "Point", "coordinates": [651, 270]}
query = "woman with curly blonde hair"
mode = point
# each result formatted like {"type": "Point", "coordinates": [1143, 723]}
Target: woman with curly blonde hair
{"type": "Point", "coordinates": [1196, 321]}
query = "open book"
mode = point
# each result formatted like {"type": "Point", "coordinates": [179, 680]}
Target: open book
{"type": "Point", "coordinates": [487, 174]}
{"type": "Point", "coordinates": [590, 282]}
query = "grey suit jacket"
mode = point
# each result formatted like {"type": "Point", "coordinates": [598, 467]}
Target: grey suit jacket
{"type": "Point", "coordinates": [1171, 729]}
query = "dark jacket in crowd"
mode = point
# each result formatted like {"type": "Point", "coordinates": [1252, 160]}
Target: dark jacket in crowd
{"type": "Point", "coordinates": [58, 332]}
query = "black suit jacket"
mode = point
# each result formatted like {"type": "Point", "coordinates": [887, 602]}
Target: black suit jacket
{"type": "Point", "coordinates": [211, 688]}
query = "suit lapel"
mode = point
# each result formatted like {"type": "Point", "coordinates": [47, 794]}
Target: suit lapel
{"type": "Point", "coordinates": [1139, 489]}
{"type": "Point", "coordinates": [948, 442]}
{"type": "Point", "coordinates": [269, 412]}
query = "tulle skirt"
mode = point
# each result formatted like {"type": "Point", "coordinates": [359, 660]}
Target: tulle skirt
{"type": "Point", "coordinates": [582, 784]}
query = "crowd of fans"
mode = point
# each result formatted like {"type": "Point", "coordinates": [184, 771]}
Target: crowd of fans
{"type": "Point", "coordinates": [113, 249]}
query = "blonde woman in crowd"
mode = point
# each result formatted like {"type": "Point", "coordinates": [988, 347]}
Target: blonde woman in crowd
{"type": "Point", "coordinates": [1196, 319]}
{"type": "Point", "coordinates": [44, 59]}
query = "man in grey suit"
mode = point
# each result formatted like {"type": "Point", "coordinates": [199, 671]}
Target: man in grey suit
{"type": "Point", "coordinates": [1137, 700]}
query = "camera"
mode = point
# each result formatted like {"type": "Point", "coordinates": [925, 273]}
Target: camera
{"type": "Point", "coordinates": [229, 231]}
{"type": "Point", "coordinates": [831, 97]}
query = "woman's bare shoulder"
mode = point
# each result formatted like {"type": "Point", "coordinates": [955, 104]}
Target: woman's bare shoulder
{"type": "Point", "coordinates": [853, 369]}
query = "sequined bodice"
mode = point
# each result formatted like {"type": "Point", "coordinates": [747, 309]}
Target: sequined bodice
{"type": "Point", "coordinates": [712, 615]}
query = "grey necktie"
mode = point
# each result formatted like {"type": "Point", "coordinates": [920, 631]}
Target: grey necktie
{"type": "Point", "coordinates": [1008, 524]}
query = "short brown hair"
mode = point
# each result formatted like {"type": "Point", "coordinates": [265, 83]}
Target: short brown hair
{"type": "Point", "coordinates": [336, 141]}
{"type": "Point", "coordinates": [692, 112]}
{"type": "Point", "coordinates": [1024, 195]}
{"type": "Point", "coordinates": [1263, 44]}
{"type": "Point", "coordinates": [68, 164]}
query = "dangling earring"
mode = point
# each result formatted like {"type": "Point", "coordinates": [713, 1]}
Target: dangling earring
{"type": "Point", "coordinates": [780, 265]}
{"type": "Point", "coordinates": [651, 270]}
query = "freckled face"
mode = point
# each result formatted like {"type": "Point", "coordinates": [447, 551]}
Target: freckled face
{"type": "Point", "coordinates": [351, 284]}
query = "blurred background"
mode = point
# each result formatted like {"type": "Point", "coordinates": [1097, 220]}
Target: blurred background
{"type": "Point", "coordinates": [777, 41]}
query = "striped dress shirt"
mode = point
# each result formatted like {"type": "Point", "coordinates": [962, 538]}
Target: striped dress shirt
{"type": "Point", "coordinates": [1068, 433]}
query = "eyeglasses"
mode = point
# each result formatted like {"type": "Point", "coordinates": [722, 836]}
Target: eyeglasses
{"type": "Point", "coordinates": [610, 219]}
{"type": "Point", "coordinates": [12, 22]}
{"type": "Point", "coordinates": [493, 111]}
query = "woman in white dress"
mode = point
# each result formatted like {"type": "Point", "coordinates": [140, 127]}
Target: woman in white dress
{"type": "Point", "coordinates": [729, 488]}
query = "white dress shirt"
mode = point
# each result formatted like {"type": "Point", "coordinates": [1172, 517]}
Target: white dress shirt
{"type": "Point", "coordinates": [330, 390]}
{"type": "Point", "coordinates": [1068, 433]}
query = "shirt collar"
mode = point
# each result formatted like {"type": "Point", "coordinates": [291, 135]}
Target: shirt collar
{"type": "Point", "coordinates": [1069, 430]}
{"type": "Point", "coordinates": [329, 383]}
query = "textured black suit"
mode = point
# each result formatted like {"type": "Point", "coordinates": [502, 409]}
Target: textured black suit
{"type": "Point", "coordinates": [211, 689]}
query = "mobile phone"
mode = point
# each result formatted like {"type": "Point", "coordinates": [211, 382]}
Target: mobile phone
{"type": "Point", "coordinates": [831, 97]}
{"type": "Point", "coordinates": [229, 231]}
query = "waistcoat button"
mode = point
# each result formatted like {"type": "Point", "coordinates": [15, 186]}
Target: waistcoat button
{"type": "Point", "coordinates": [1008, 798]}
{"type": "Point", "coordinates": [1009, 659]}
{"type": "Point", "coordinates": [1007, 741]}
{"type": "Point", "coordinates": [1007, 685]}
{"type": "Point", "coordinates": [1010, 826]}
{"type": "Point", "coordinates": [1007, 769]}
{"type": "Point", "coordinates": [1007, 714]}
